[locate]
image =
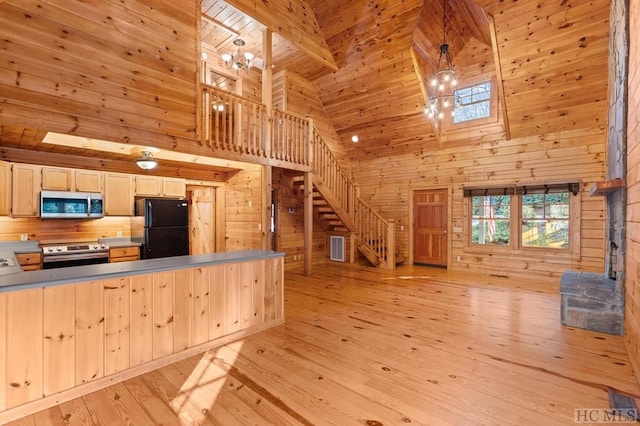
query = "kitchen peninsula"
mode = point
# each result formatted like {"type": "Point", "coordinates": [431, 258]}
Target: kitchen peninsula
{"type": "Point", "coordinates": [71, 331]}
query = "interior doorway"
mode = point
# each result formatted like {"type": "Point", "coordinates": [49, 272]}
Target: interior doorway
{"type": "Point", "coordinates": [202, 220]}
{"type": "Point", "coordinates": [430, 225]}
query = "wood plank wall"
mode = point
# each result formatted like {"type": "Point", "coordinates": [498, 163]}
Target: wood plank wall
{"type": "Point", "coordinates": [244, 211]}
{"type": "Point", "coordinates": [386, 184]}
{"type": "Point", "coordinates": [632, 261]}
{"type": "Point", "coordinates": [109, 70]}
{"type": "Point", "coordinates": [58, 231]}
{"type": "Point", "coordinates": [290, 224]}
{"type": "Point", "coordinates": [297, 95]}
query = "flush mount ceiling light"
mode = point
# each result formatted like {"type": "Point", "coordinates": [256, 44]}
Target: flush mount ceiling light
{"type": "Point", "coordinates": [355, 138]}
{"type": "Point", "coordinates": [442, 98]}
{"type": "Point", "coordinates": [238, 60]}
{"type": "Point", "coordinates": [146, 162]}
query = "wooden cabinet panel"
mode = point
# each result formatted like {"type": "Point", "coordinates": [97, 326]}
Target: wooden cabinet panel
{"type": "Point", "coordinates": [217, 301]}
{"type": "Point", "coordinates": [141, 319]}
{"type": "Point", "coordinates": [118, 194]}
{"type": "Point", "coordinates": [89, 180]}
{"type": "Point", "coordinates": [59, 338]}
{"type": "Point", "coordinates": [162, 314]}
{"type": "Point", "coordinates": [116, 325]}
{"type": "Point", "coordinates": [89, 331]}
{"type": "Point", "coordinates": [245, 280]}
{"type": "Point", "coordinates": [3, 352]}
{"type": "Point", "coordinates": [148, 186]}
{"type": "Point", "coordinates": [5, 188]}
{"type": "Point", "coordinates": [259, 269]}
{"type": "Point", "coordinates": [24, 347]}
{"type": "Point", "coordinates": [30, 261]}
{"type": "Point", "coordinates": [231, 297]}
{"type": "Point", "coordinates": [200, 312]}
{"type": "Point", "coordinates": [57, 179]}
{"type": "Point", "coordinates": [174, 187]}
{"type": "Point", "coordinates": [124, 254]}
{"type": "Point", "coordinates": [182, 296]}
{"type": "Point", "coordinates": [25, 190]}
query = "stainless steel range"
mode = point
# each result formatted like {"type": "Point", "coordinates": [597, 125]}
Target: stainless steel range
{"type": "Point", "coordinates": [75, 254]}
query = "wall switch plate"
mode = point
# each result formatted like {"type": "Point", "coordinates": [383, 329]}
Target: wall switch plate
{"type": "Point", "coordinates": [119, 234]}
{"type": "Point", "coordinates": [24, 237]}
{"type": "Point", "coordinates": [402, 227]}
{"type": "Point", "coordinates": [458, 258]}
{"type": "Point", "coordinates": [457, 229]}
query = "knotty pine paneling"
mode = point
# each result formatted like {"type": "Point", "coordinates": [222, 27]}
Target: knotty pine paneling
{"type": "Point", "coordinates": [290, 224]}
{"type": "Point", "coordinates": [301, 97]}
{"type": "Point", "coordinates": [386, 185]}
{"type": "Point", "coordinates": [632, 258]}
{"type": "Point", "coordinates": [127, 68]}
{"type": "Point", "coordinates": [55, 231]}
{"type": "Point", "coordinates": [243, 201]}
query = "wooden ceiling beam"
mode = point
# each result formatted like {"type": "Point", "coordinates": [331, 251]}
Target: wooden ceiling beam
{"type": "Point", "coordinates": [293, 20]}
{"type": "Point", "coordinates": [500, 81]}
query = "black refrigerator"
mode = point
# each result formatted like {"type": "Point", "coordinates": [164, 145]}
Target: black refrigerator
{"type": "Point", "coordinates": [161, 225]}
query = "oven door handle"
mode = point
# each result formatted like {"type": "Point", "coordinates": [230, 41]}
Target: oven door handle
{"type": "Point", "coordinates": [76, 256]}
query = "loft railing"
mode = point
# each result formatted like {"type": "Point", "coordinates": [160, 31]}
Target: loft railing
{"type": "Point", "coordinates": [238, 126]}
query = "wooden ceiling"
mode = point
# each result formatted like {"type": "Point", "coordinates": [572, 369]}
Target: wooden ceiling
{"type": "Point", "coordinates": [551, 56]}
{"type": "Point", "coordinates": [368, 60]}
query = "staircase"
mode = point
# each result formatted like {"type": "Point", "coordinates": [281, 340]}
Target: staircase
{"type": "Point", "coordinates": [243, 130]}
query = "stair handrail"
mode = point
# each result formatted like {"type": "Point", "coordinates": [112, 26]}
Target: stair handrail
{"type": "Point", "coordinates": [371, 228]}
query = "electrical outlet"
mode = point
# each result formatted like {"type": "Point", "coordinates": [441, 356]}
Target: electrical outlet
{"type": "Point", "coordinates": [119, 234]}
{"type": "Point", "coordinates": [250, 203]}
{"type": "Point", "coordinates": [458, 258]}
{"type": "Point", "coordinates": [24, 237]}
{"type": "Point", "coordinates": [402, 227]}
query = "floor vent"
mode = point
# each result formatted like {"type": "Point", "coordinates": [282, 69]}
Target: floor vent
{"type": "Point", "coordinates": [623, 407]}
{"type": "Point", "coordinates": [337, 248]}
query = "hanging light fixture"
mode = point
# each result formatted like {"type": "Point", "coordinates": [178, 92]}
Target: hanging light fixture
{"type": "Point", "coordinates": [238, 60]}
{"type": "Point", "coordinates": [442, 99]}
{"type": "Point", "coordinates": [146, 162]}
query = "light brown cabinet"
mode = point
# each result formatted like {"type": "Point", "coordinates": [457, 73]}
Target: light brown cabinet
{"type": "Point", "coordinates": [30, 261]}
{"type": "Point", "coordinates": [57, 179]}
{"type": "Point", "coordinates": [88, 181]}
{"type": "Point", "coordinates": [5, 188]}
{"type": "Point", "coordinates": [118, 194]}
{"type": "Point", "coordinates": [156, 186]}
{"type": "Point", "coordinates": [25, 185]}
{"type": "Point", "coordinates": [148, 186]}
{"type": "Point", "coordinates": [124, 254]}
{"type": "Point", "coordinates": [174, 187]}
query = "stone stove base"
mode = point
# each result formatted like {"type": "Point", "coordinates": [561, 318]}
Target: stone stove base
{"type": "Point", "coordinates": [591, 301]}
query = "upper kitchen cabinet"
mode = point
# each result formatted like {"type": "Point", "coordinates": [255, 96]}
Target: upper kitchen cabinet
{"type": "Point", "coordinates": [62, 179]}
{"type": "Point", "coordinates": [25, 185]}
{"type": "Point", "coordinates": [156, 186]}
{"type": "Point", "coordinates": [148, 186]}
{"type": "Point", "coordinates": [57, 179]}
{"type": "Point", "coordinates": [5, 188]}
{"type": "Point", "coordinates": [89, 180]}
{"type": "Point", "coordinates": [174, 187]}
{"type": "Point", "coordinates": [118, 194]}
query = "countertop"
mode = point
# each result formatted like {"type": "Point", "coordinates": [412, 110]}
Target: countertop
{"type": "Point", "coordinates": [118, 242]}
{"type": "Point", "coordinates": [74, 274]}
{"type": "Point", "coordinates": [29, 246]}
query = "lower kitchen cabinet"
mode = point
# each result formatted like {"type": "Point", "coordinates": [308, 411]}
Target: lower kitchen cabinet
{"type": "Point", "coordinates": [124, 254]}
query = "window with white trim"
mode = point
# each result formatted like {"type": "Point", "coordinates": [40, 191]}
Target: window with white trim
{"type": "Point", "coordinates": [472, 102]}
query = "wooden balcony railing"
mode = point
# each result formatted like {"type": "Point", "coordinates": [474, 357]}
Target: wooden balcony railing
{"type": "Point", "coordinates": [240, 127]}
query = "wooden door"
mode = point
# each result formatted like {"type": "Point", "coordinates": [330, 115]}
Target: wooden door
{"type": "Point", "coordinates": [430, 217]}
{"type": "Point", "coordinates": [202, 221]}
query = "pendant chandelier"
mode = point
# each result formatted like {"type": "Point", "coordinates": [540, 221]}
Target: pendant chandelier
{"type": "Point", "coordinates": [442, 99]}
{"type": "Point", "coordinates": [238, 60]}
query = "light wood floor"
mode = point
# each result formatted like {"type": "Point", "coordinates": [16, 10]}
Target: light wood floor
{"type": "Point", "coordinates": [369, 347]}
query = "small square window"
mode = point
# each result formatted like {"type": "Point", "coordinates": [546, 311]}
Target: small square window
{"type": "Point", "coordinates": [473, 102]}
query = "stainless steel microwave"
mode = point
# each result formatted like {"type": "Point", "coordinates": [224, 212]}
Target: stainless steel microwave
{"type": "Point", "coordinates": [71, 205]}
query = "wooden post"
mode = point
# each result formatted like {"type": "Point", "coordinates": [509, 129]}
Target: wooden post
{"type": "Point", "coordinates": [391, 244]}
{"type": "Point", "coordinates": [308, 222]}
{"type": "Point", "coordinates": [267, 178]}
{"type": "Point", "coordinates": [310, 143]}
{"type": "Point", "coordinates": [267, 90]}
